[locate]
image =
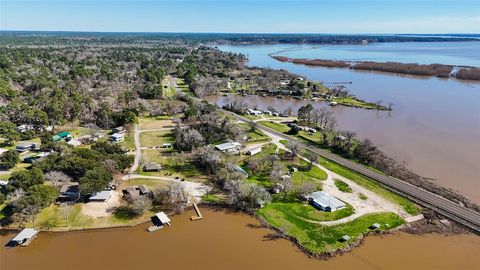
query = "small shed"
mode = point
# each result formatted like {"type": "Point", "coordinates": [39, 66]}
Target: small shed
{"type": "Point", "coordinates": [167, 145]}
{"type": "Point", "coordinates": [25, 236]}
{"type": "Point", "coordinates": [254, 151]}
{"type": "Point", "coordinates": [345, 238]}
{"type": "Point", "coordinates": [118, 130]}
{"type": "Point", "coordinates": [101, 196]}
{"type": "Point", "coordinates": [152, 167]}
{"type": "Point", "coordinates": [374, 226]}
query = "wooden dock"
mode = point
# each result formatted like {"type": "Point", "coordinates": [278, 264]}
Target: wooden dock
{"type": "Point", "coordinates": [154, 228]}
{"type": "Point", "coordinates": [197, 211]}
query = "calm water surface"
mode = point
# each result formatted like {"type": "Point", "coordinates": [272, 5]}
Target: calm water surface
{"type": "Point", "coordinates": [229, 241]}
{"type": "Point", "coordinates": [452, 53]}
{"type": "Point", "coordinates": [434, 126]}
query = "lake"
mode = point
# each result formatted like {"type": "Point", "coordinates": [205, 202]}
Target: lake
{"type": "Point", "coordinates": [449, 53]}
{"type": "Point", "coordinates": [434, 126]}
{"type": "Point", "coordinates": [225, 240]}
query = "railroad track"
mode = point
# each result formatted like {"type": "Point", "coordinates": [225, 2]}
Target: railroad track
{"type": "Point", "coordinates": [441, 205]}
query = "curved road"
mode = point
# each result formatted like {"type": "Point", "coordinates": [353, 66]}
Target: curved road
{"type": "Point", "coordinates": [459, 213]}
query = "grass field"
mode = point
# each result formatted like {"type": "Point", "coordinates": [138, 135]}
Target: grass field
{"type": "Point", "coordinates": [156, 138]}
{"type": "Point", "coordinates": [306, 211]}
{"type": "Point", "coordinates": [151, 183]}
{"type": "Point", "coordinates": [154, 122]}
{"type": "Point", "coordinates": [317, 238]}
{"type": "Point", "coordinates": [63, 218]}
{"type": "Point", "coordinates": [172, 166]}
{"type": "Point", "coordinates": [129, 141]}
{"type": "Point", "coordinates": [276, 126]}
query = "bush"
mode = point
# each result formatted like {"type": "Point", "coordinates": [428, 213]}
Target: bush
{"type": "Point", "coordinates": [342, 186]}
{"type": "Point", "coordinates": [126, 212]}
{"type": "Point", "coordinates": [9, 159]}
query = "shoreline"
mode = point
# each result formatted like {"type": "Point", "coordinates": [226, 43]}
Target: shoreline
{"type": "Point", "coordinates": [420, 227]}
{"type": "Point", "coordinates": [466, 73]}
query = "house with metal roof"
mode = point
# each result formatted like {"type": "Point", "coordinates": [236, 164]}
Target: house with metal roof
{"type": "Point", "coordinates": [117, 137]}
{"type": "Point", "coordinates": [229, 147]}
{"type": "Point", "coordinates": [101, 196]}
{"type": "Point", "coordinates": [325, 202]}
{"type": "Point", "coordinates": [151, 167]}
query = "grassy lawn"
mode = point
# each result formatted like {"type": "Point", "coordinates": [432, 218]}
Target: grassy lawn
{"type": "Point", "coordinates": [342, 186]}
{"type": "Point", "coordinates": [129, 141]}
{"type": "Point", "coordinates": [151, 183]}
{"type": "Point", "coordinates": [317, 238]}
{"type": "Point", "coordinates": [257, 136]}
{"type": "Point", "coordinates": [156, 138]}
{"type": "Point", "coordinates": [154, 122]}
{"type": "Point", "coordinates": [183, 86]}
{"type": "Point", "coordinates": [306, 211]}
{"type": "Point", "coordinates": [314, 174]}
{"type": "Point", "coordinates": [61, 218]}
{"type": "Point", "coordinates": [172, 166]}
{"type": "Point", "coordinates": [276, 126]}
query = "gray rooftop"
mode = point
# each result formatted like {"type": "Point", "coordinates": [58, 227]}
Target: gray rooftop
{"type": "Point", "coordinates": [101, 196]}
{"type": "Point", "coordinates": [25, 234]}
{"type": "Point", "coordinates": [227, 146]}
{"type": "Point", "coordinates": [326, 200]}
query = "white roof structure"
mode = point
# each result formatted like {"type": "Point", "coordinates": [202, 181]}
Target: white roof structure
{"type": "Point", "coordinates": [162, 217]}
{"type": "Point", "coordinates": [228, 146]}
{"type": "Point", "coordinates": [325, 200]}
{"type": "Point", "coordinates": [74, 142]}
{"type": "Point", "coordinates": [3, 183]}
{"type": "Point", "coordinates": [254, 151]}
{"type": "Point", "coordinates": [25, 234]}
{"type": "Point", "coordinates": [101, 196]}
{"type": "Point", "coordinates": [118, 136]}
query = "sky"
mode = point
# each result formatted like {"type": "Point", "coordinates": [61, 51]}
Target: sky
{"type": "Point", "coordinates": [243, 16]}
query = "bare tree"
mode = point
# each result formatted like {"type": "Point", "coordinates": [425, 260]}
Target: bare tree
{"type": "Point", "coordinates": [57, 178]}
{"type": "Point", "coordinates": [293, 147]}
{"type": "Point", "coordinates": [312, 158]}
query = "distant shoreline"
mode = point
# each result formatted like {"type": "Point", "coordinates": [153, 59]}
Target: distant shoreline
{"type": "Point", "coordinates": [431, 70]}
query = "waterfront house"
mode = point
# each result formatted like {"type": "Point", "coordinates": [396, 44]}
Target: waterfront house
{"type": "Point", "coordinates": [117, 137]}
{"type": "Point", "coordinates": [102, 196]}
{"type": "Point", "coordinates": [24, 237]}
{"type": "Point", "coordinates": [69, 192]}
{"type": "Point", "coordinates": [325, 202]}
{"type": "Point", "coordinates": [152, 167]}
{"type": "Point", "coordinates": [254, 151]}
{"type": "Point", "coordinates": [229, 147]}
{"type": "Point", "coordinates": [254, 112]}
{"type": "Point", "coordinates": [134, 192]}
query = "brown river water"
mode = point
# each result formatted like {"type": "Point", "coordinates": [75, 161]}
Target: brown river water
{"type": "Point", "coordinates": [434, 126]}
{"type": "Point", "coordinates": [229, 241]}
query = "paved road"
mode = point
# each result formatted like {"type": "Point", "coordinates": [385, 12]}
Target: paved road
{"type": "Point", "coordinates": [459, 213]}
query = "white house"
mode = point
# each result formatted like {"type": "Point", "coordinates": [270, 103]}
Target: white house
{"type": "Point", "coordinates": [254, 112]}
